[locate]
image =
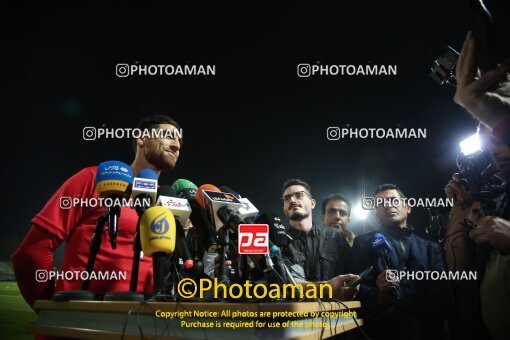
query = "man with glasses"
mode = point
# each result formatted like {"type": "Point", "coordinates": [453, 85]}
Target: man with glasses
{"type": "Point", "coordinates": [321, 252]}
{"type": "Point", "coordinates": [336, 212]}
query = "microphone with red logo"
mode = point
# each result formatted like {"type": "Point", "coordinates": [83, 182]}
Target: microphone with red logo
{"type": "Point", "coordinates": [247, 211]}
{"type": "Point", "coordinates": [220, 207]}
{"type": "Point", "coordinates": [278, 238]}
{"type": "Point", "coordinates": [277, 231]}
{"type": "Point", "coordinates": [211, 199]}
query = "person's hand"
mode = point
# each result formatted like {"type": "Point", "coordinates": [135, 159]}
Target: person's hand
{"type": "Point", "coordinates": [454, 189]}
{"type": "Point", "coordinates": [473, 90]}
{"type": "Point", "coordinates": [387, 290]}
{"type": "Point", "coordinates": [217, 265]}
{"type": "Point", "coordinates": [340, 289]}
{"type": "Point", "coordinates": [492, 231]}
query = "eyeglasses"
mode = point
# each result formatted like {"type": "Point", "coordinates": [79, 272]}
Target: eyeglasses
{"type": "Point", "coordinates": [297, 195]}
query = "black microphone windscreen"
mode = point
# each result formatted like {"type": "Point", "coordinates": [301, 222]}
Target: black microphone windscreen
{"type": "Point", "coordinates": [224, 188]}
{"type": "Point", "coordinates": [277, 231]}
{"type": "Point", "coordinates": [166, 190]}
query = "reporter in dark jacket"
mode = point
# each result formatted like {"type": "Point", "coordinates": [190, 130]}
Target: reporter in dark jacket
{"type": "Point", "coordinates": [393, 308]}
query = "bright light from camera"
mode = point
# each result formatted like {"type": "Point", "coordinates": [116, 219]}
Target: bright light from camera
{"type": "Point", "coordinates": [471, 145]}
{"type": "Point", "coordinates": [359, 212]}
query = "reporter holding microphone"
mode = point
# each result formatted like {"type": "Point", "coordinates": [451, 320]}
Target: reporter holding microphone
{"type": "Point", "coordinates": [57, 223]}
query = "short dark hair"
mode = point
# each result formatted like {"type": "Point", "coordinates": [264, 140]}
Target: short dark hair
{"type": "Point", "coordinates": [296, 181]}
{"type": "Point", "coordinates": [388, 186]}
{"type": "Point", "coordinates": [336, 197]}
{"type": "Point", "coordinates": [153, 121]}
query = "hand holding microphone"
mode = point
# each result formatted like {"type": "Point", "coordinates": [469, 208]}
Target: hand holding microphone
{"type": "Point", "coordinates": [389, 289]}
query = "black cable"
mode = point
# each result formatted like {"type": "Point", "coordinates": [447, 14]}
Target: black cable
{"type": "Point", "coordinates": [205, 332]}
{"type": "Point", "coordinates": [355, 320]}
{"type": "Point", "coordinates": [453, 248]}
{"type": "Point", "coordinates": [125, 325]}
{"type": "Point", "coordinates": [456, 232]}
{"type": "Point", "coordinates": [126, 322]}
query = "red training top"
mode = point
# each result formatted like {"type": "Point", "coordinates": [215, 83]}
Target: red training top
{"type": "Point", "coordinates": [53, 225]}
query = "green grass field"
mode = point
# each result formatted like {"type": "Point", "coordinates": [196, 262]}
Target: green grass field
{"type": "Point", "coordinates": [15, 313]}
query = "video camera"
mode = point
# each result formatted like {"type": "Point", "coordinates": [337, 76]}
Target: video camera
{"type": "Point", "coordinates": [492, 42]}
{"type": "Point", "coordinates": [478, 174]}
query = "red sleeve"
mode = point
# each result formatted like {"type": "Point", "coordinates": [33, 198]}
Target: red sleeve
{"type": "Point", "coordinates": [60, 221]}
{"type": "Point", "coordinates": [35, 253]}
{"type": "Point", "coordinates": [51, 226]}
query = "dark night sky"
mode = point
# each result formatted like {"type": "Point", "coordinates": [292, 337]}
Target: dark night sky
{"type": "Point", "coordinates": [255, 123]}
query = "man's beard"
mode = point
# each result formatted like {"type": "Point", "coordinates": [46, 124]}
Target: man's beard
{"type": "Point", "coordinates": [298, 217]}
{"type": "Point", "coordinates": [158, 161]}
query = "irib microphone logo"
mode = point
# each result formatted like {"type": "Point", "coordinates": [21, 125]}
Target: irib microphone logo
{"type": "Point", "coordinates": [160, 225]}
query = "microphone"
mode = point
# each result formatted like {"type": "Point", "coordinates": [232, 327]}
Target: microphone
{"type": "Point", "coordinates": [277, 231]}
{"type": "Point", "coordinates": [248, 211]}
{"type": "Point", "coordinates": [382, 248]}
{"type": "Point", "coordinates": [220, 207]}
{"type": "Point", "coordinates": [187, 190]}
{"type": "Point", "coordinates": [143, 196]}
{"type": "Point", "coordinates": [181, 210]}
{"type": "Point", "coordinates": [217, 205]}
{"type": "Point", "coordinates": [145, 187]}
{"type": "Point", "coordinates": [157, 235]}
{"type": "Point", "coordinates": [278, 238]}
{"type": "Point", "coordinates": [113, 180]}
